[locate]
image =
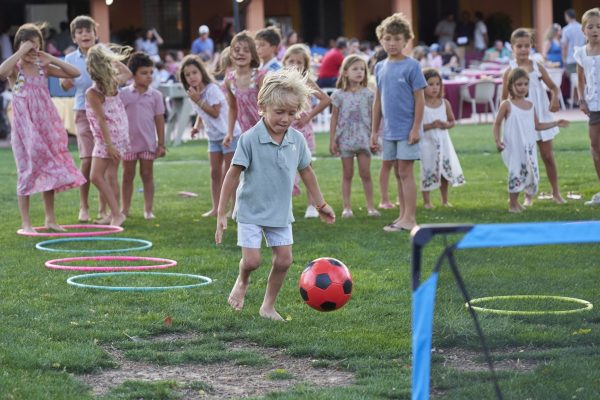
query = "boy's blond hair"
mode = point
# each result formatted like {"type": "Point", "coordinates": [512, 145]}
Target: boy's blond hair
{"type": "Point", "coordinates": [286, 87]}
{"type": "Point", "coordinates": [520, 33]}
{"type": "Point", "coordinates": [82, 21]}
{"type": "Point", "coordinates": [395, 24]}
{"type": "Point", "coordinates": [592, 12]}
{"type": "Point", "coordinates": [99, 63]}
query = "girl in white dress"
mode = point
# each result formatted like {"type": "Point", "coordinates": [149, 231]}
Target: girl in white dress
{"type": "Point", "coordinates": [439, 163]}
{"type": "Point", "coordinates": [521, 41]}
{"type": "Point", "coordinates": [519, 136]}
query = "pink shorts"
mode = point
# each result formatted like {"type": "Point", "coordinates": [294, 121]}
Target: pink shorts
{"type": "Point", "coordinates": [85, 138]}
{"type": "Point", "coordinates": [143, 155]}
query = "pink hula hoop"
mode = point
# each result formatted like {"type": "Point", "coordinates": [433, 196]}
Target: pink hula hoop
{"type": "Point", "coordinates": [104, 230]}
{"type": "Point", "coordinates": [56, 264]}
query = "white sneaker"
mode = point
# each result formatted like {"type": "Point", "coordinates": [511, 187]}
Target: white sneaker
{"type": "Point", "coordinates": [595, 201]}
{"type": "Point", "coordinates": [311, 212]}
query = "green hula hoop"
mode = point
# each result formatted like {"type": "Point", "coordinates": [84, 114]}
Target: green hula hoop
{"type": "Point", "coordinates": [72, 281]}
{"type": "Point", "coordinates": [144, 244]}
{"type": "Point", "coordinates": [587, 306]}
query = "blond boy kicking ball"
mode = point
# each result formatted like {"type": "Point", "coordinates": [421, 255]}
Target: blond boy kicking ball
{"type": "Point", "coordinates": [269, 154]}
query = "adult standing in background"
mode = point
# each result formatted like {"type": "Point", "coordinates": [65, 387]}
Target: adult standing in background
{"type": "Point", "coordinates": [6, 49]}
{"type": "Point", "coordinates": [480, 34]}
{"type": "Point", "coordinates": [149, 44]}
{"type": "Point", "coordinates": [464, 29]}
{"type": "Point", "coordinates": [445, 29]}
{"type": "Point", "coordinates": [331, 63]}
{"type": "Point", "coordinates": [572, 36]}
{"type": "Point", "coordinates": [552, 48]}
{"type": "Point", "coordinates": [203, 46]}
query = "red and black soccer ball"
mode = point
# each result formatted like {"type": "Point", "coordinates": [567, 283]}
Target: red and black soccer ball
{"type": "Point", "coordinates": [325, 284]}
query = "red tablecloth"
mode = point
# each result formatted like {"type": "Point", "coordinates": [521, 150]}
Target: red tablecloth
{"type": "Point", "coordinates": [452, 93]}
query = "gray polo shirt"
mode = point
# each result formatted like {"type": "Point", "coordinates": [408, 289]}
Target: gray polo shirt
{"type": "Point", "coordinates": [573, 36]}
{"type": "Point", "coordinates": [264, 195]}
{"type": "Point", "coordinates": [83, 82]}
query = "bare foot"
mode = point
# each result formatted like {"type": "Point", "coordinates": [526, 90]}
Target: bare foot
{"type": "Point", "coordinates": [149, 215]}
{"type": "Point", "coordinates": [558, 199]}
{"type": "Point", "coordinates": [125, 212]}
{"type": "Point", "coordinates": [118, 220]}
{"type": "Point", "coordinates": [84, 215]}
{"type": "Point", "coordinates": [105, 220]}
{"type": "Point", "coordinates": [27, 229]}
{"type": "Point", "coordinates": [428, 206]}
{"type": "Point", "coordinates": [270, 314]}
{"type": "Point", "coordinates": [447, 204]}
{"type": "Point", "coordinates": [528, 201]}
{"type": "Point", "coordinates": [53, 226]}
{"type": "Point", "coordinates": [515, 209]}
{"type": "Point", "coordinates": [386, 206]}
{"type": "Point", "coordinates": [210, 213]}
{"type": "Point", "coordinates": [237, 295]}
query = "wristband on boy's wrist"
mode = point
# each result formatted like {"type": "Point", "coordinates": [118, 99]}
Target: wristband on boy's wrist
{"type": "Point", "coordinates": [321, 207]}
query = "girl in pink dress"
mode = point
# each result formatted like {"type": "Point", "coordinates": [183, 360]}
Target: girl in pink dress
{"type": "Point", "coordinates": [298, 56]}
{"type": "Point", "coordinates": [243, 84]}
{"type": "Point", "coordinates": [38, 136]}
{"type": "Point", "coordinates": [108, 121]}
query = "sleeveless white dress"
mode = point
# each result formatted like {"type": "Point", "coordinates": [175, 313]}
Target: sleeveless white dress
{"type": "Point", "coordinates": [539, 97]}
{"type": "Point", "coordinates": [519, 154]}
{"type": "Point", "coordinates": [438, 158]}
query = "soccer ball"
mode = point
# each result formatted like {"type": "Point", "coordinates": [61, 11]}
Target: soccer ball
{"type": "Point", "coordinates": [325, 284]}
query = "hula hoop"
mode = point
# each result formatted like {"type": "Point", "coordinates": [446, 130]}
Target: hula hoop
{"type": "Point", "coordinates": [57, 264]}
{"type": "Point", "coordinates": [72, 281]}
{"type": "Point", "coordinates": [587, 306]}
{"type": "Point", "coordinates": [105, 230]}
{"type": "Point", "coordinates": [145, 244]}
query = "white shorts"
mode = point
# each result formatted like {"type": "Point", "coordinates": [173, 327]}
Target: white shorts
{"type": "Point", "coordinates": [250, 235]}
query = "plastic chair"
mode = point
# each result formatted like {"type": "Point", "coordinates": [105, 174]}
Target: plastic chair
{"type": "Point", "coordinates": [556, 74]}
{"type": "Point", "coordinates": [323, 119]}
{"type": "Point", "coordinates": [484, 94]}
{"type": "Point", "coordinates": [573, 80]}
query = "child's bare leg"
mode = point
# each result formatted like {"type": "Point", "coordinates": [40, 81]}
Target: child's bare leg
{"type": "Point", "coordinates": [347, 174]}
{"type": "Point", "coordinates": [100, 168]}
{"type": "Point", "coordinates": [547, 155]}
{"type": "Point", "coordinates": [50, 221]}
{"type": "Point", "coordinates": [84, 190]}
{"type": "Point", "coordinates": [528, 200]}
{"type": "Point", "coordinates": [594, 131]}
{"type": "Point", "coordinates": [147, 175]}
{"type": "Point", "coordinates": [127, 184]}
{"type": "Point", "coordinates": [23, 202]}
{"type": "Point", "coordinates": [364, 170]}
{"type": "Point", "coordinates": [426, 200]}
{"type": "Point", "coordinates": [408, 193]}
{"type": "Point", "coordinates": [513, 203]}
{"type": "Point", "coordinates": [444, 192]}
{"type": "Point", "coordinates": [401, 207]}
{"type": "Point", "coordinates": [384, 177]}
{"type": "Point", "coordinates": [249, 262]}
{"type": "Point", "coordinates": [216, 181]}
{"type": "Point", "coordinates": [226, 164]}
{"type": "Point", "coordinates": [282, 259]}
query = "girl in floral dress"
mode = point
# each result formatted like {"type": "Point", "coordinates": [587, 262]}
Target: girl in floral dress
{"type": "Point", "coordinates": [439, 163]}
{"type": "Point", "coordinates": [38, 136]}
{"type": "Point", "coordinates": [109, 123]}
{"type": "Point", "coordinates": [298, 56]}
{"type": "Point", "coordinates": [351, 128]}
{"type": "Point", "coordinates": [243, 84]}
{"type": "Point", "coordinates": [518, 142]}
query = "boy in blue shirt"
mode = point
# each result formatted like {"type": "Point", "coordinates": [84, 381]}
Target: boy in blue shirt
{"type": "Point", "coordinates": [269, 154]}
{"type": "Point", "coordinates": [400, 99]}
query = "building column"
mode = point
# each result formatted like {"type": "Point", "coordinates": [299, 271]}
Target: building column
{"type": "Point", "coordinates": [406, 8]}
{"type": "Point", "coordinates": [255, 15]}
{"type": "Point", "coordinates": [542, 20]}
{"type": "Point", "coordinates": [99, 12]}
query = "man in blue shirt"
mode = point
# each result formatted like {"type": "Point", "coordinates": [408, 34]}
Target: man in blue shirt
{"type": "Point", "coordinates": [203, 45]}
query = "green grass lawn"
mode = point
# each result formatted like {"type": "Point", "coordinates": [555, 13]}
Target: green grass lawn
{"type": "Point", "coordinates": [51, 332]}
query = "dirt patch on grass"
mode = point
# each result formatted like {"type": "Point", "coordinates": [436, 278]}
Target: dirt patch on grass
{"type": "Point", "coordinates": [223, 380]}
{"type": "Point", "coordinates": [474, 361]}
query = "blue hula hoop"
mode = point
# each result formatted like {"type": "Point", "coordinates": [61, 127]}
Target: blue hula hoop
{"type": "Point", "coordinates": [145, 244]}
{"type": "Point", "coordinates": [72, 281]}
